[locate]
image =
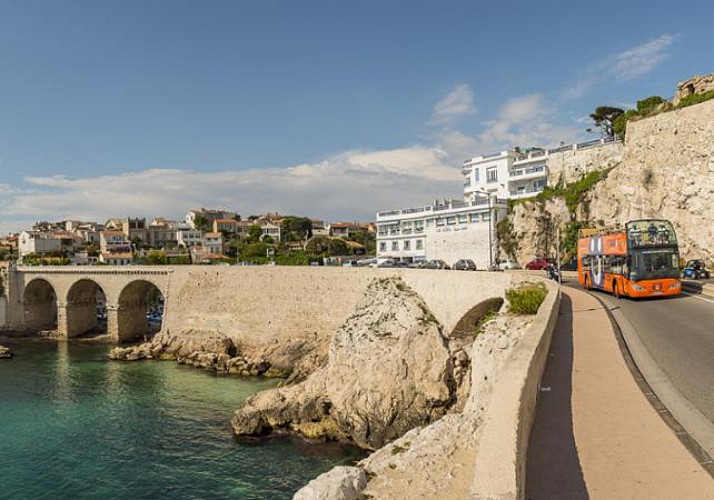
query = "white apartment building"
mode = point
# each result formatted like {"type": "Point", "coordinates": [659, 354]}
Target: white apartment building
{"type": "Point", "coordinates": [189, 238]}
{"type": "Point", "coordinates": [449, 231]}
{"type": "Point", "coordinates": [508, 174]}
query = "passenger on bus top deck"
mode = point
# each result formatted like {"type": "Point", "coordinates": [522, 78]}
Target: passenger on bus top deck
{"type": "Point", "coordinates": [652, 232]}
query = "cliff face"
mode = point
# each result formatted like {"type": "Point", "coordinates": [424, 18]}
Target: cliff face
{"type": "Point", "coordinates": [667, 171]}
{"type": "Point", "coordinates": [389, 369]}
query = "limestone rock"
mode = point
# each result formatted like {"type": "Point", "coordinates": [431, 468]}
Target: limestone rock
{"type": "Point", "coordinates": [389, 369]}
{"type": "Point", "coordinates": [340, 483]}
{"type": "Point", "coordinates": [5, 352]}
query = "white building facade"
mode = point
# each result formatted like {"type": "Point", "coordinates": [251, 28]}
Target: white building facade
{"type": "Point", "coordinates": [449, 231]}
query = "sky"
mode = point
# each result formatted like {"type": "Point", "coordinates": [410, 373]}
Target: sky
{"type": "Point", "coordinates": [328, 109]}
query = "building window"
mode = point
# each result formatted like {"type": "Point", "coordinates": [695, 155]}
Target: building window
{"type": "Point", "coordinates": [419, 244]}
{"type": "Point", "coordinates": [395, 246]}
{"type": "Point", "coordinates": [382, 246]}
{"type": "Point", "coordinates": [451, 220]}
{"type": "Point", "coordinates": [492, 174]}
{"type": "Point", "coordinates": [473, 218]}
{"type": "Point", "coordinates": [439, 222]}
{"type": "Point", "coordinates": [463, 218]}
{"type": "Point", "coordinates": [476, 174]}
{"type": "Point", "coordinates": [406, 245]}
{"type": "Point", "coordinates": [430, 223]}
{"type": "Point", "coordinates": [486, 217]}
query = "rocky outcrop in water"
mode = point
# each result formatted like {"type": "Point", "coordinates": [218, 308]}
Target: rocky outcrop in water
{"type": "Point", "coordinates": [5, 352]}
{"type": "Point", "coordinates": [206, 350]}
{"type": "Point", "coordinates": [389, 370]}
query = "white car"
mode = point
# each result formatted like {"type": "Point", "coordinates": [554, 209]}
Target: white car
{"type": "Point", "coordinates": [507, 264]}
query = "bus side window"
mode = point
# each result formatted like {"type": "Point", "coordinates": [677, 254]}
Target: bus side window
{"type": "Point", "coordinates": [586, 261]}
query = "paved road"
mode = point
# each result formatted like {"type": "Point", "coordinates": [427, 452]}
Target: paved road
{"type": "Point", "coordinates": [678, 334]}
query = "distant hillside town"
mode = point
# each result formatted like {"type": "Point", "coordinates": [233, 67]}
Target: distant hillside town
{"type": "Point", "coordinates": [204, 236]}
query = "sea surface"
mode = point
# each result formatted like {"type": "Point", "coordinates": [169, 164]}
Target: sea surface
{"type": "Point", "coordinates": [76, 425]}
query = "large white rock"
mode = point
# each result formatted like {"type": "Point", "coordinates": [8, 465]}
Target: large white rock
{"type": "Point", "coordinates": [339, 483]}
{"type": "Point", "coordinates": [389, 370]}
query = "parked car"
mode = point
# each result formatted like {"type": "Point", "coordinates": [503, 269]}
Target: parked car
{"type": "Point", "coordinates": [571, 265]}
{"type": "Point", "coordinates": [507, 264]}
{"type": "Point", "coordinates": [418, 265]}
{"type": "Point", "coordinates": [386, 263]}
{"type": "Point", "coordinates": [696, 269]}
{"type": "Point", "coordinates": [437, 264]}
{"type": "Point", "coordinates": [538, 264]}
{"type": "Point", "coordinates": [349, 263]}
{"type": "Point", "coordinates": [464, 265]}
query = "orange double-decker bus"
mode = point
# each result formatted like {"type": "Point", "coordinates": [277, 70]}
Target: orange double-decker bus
{"type": "Point", "coordinates": [641, 260]}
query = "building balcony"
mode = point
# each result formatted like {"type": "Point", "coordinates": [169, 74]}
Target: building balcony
{"type": "Point", "coordinates": [525, 173]}
{"type": "Point", "coordinates": [525, 192]}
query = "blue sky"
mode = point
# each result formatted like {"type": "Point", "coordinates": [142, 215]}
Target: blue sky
{"type": "Point", "coordinates": [329, 109]}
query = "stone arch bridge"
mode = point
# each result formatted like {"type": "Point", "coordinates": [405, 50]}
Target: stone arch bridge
{"type": "Point", "coordinates": [66, 299]}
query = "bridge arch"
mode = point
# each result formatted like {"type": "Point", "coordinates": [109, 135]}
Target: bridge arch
{"type": "Point", "coordinates": [471, 322]}
{"type": "Point", "coordinates": [85, 306]}
{"type": "Point", "coordinates": [139, 310]}
{"type": "Point", "coordinates": [40, 306]}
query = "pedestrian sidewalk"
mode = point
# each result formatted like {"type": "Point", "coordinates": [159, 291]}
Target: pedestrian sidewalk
{"type": "Point", "coordinates": [595, 433]}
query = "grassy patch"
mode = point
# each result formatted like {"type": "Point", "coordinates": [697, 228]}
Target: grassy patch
{"type": "Point", "coordinates": [526, 298]}
{"type": "Point", "coordinates": [396, 449]}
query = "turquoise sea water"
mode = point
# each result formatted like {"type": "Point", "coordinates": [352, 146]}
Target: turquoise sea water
{"type": "Point", "coordinates": [75, 425]}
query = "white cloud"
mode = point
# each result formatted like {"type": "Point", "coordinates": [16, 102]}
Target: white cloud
{"type": "Point", "coordinates": [457, 103]}
{"type": "Point", "coordinates": [628, 65]}
{"type": "Point", "coordinates": [353, 185]}
{"type": "Point", "coordinates": [524, 121]}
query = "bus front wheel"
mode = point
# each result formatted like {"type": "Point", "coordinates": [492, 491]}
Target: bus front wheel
{"type": "Point", "coordinates": [587, 282]}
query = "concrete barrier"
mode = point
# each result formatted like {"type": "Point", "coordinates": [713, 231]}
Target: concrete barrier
{"type": "Point", "coordinates": [500, 466]}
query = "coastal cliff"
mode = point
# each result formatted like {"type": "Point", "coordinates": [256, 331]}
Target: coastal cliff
{"type": "Point", "coordinates": [666, 171]}
{"type": "Point", "coordinates": [389, 369]}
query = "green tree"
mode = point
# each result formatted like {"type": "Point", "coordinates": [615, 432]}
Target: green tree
{"type": "Point", "coordinates": [603, 117]}
{"type": "Point", "coordinates": [295, 228]}
{"type": "Point", "coordinates": [200, 222]}
{"type": "Point", "coordinates": [254, 233]}
{"type": "Point", "coordinates": [649, 105]}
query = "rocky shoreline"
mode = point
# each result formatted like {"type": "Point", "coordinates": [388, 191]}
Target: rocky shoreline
{"type": "Point", "coordinates": [216, 352]}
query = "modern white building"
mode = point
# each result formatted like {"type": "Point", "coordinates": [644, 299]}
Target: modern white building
{"type": "Point", "coordinates": [508, 174]}
{"type": "Point", "coordinates": [448, 230]}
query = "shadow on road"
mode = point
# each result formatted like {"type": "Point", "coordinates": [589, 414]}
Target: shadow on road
{"type": "Point", "coordinates": [553, 468]}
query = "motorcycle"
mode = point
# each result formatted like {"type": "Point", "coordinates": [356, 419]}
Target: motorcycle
{"type": "Point", "coordinates": [553, 273]}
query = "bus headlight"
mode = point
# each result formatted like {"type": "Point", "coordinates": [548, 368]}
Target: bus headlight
{"type": "Point", "coordinates": [675, 286]}
{"type": "Point", "coordinates": [638, 288]}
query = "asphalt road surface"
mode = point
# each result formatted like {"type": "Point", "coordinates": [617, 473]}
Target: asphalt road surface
{"type": "Point", "coordinates": [678, 335]}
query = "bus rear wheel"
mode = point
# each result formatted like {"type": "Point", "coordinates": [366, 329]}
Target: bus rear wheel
{"type": "Point", "coordinates": [616, 289]}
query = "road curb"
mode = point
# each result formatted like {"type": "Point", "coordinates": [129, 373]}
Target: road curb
{"type": "Point", "coordinates": [695, 449]}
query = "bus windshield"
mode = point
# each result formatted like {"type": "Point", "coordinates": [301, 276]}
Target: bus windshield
{"type": "Point", "coordinates": [654, 264]}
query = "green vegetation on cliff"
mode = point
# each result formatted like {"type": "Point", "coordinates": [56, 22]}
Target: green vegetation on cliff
{"type": "Point", "coordinates": [526, 298]}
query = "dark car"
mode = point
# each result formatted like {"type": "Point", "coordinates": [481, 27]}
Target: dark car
{"type": "Point", "coordinates": [464, 265]}
{"type": "Point", "coordinates": [537, 264]}
{"type": "Point", "coordinates": [696, 269]}
{"type": "Point", "coordinates": [437, 264]}
{"type": "Point", "coordinates": [571, 265]}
